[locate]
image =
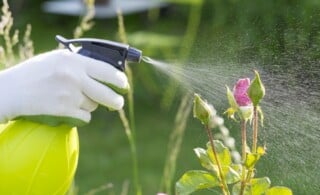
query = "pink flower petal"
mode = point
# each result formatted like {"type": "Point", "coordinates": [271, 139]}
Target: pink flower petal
{"type": "Point", "coordinates": [240, 92]}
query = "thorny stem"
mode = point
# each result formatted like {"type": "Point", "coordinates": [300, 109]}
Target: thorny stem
{"type": "Point", "coordinates": [243, 156]}
{"type": "Point", "coordinates": [224, 185]}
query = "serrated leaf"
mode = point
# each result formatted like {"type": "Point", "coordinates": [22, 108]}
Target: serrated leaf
{"type": "Point", "coordinates": [223, 153]}
{"type": "Point", "coordinates": [204, 158]}
{"type": "Point", "coordinates": [277, 190]}
{"type": "Point", "coordinates": [195, 180]}
{"type": "Point", "coordinates": [260, 185]}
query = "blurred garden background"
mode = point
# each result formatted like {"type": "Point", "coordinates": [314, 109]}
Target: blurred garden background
{"type": "Point", "coordinates": [281, 32]}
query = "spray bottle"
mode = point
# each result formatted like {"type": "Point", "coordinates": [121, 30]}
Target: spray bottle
{"type": "Point", "coordinates": [37, 158]}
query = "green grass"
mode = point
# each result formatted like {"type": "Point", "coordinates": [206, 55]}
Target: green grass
{"type": "Point", "coordinates": [105, 152]}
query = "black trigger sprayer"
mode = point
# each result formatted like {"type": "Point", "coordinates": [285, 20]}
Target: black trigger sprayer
{"type": "Point", "coordinates": [111, 52]}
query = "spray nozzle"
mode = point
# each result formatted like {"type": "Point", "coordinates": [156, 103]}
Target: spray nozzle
{"type": "Point", "coordinates": [111, 52]}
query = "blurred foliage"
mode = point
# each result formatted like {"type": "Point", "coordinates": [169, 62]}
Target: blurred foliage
{"type": "Point", "coordinates": [271, 26]}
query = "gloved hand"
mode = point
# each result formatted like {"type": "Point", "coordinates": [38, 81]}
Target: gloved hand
{"type": "Point", "coordinates": [59, 86]}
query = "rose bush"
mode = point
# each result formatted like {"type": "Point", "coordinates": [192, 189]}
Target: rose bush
{"type": "Point", "coordinates": [222, 171]}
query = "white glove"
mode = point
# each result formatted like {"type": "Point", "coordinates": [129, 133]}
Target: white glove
{"type": "Point", "coordinates": [59, 85]}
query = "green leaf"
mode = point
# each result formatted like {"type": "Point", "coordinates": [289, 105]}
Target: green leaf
{"type": "Point", "coordinates": [232, 176]}
{"type": "Point", "coordinates": [256, 90]}
{"type": "Point", "coordinates": [223, 153]}
{"type": "Point", "coordinates": [276, 190]}
{"type": "Point", "coordinates": [195, 180]}
{"type": "Point", "coordinates": [251, 160]}
{"type": "Point", "coordinates": [204, 159]}
{"type": "Point", "coordinates": [260, 185]}
{"type": "Point", "coordinates": [237, 187]}
{"type": "Point", "coordinates": [237, 168]}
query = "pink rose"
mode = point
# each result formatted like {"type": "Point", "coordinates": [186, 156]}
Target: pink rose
{"type": "Point", "coordinates": [240, 92]}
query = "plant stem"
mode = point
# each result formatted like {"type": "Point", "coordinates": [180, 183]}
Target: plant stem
{"type": "Point", "coordinates": [174, 145]}
{"type": "Point", "coordinates": [255, 139]}
{"type": "Point", "coordinates": [86, 21]}
{"type": "Point", "coordinates": [133, 148]}
{"type": "Point", "coordinates": [244, 139]}
{"type": "Point", "coordinates": [130, 125]}
{"type": "Point", "coordinates": [224, 185]}
{"type": "Point", "coordinates": [243, 156]}
{"type": "Point", "coordinates": [255, 129]}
